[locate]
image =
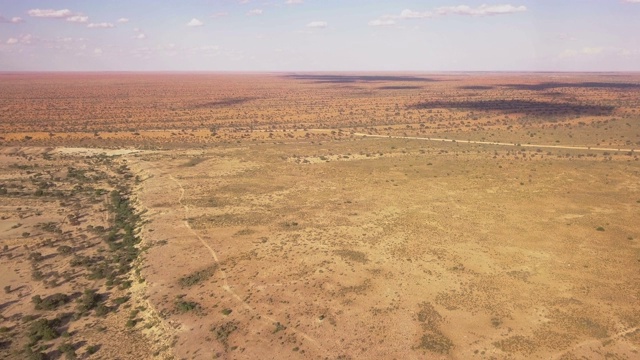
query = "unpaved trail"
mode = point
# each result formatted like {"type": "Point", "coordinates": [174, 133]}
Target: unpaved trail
{"type": "Point", "coordinates": [496, 143]}
{"type": "Point", "coordinates": [542, 146]}
{"type": "Point", "coordinates": [226, 285]}
{"type": "Point", "coordinates": [596, 342]}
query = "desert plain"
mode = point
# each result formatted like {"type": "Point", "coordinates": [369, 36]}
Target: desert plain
{"type": "Point", "coordinates": [320, 215]}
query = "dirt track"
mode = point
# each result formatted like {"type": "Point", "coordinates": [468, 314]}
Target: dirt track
{"type": "Point", "coordinates": [542, 146]}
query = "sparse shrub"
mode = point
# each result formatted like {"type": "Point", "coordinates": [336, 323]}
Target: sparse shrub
{"type": "Point", "coordinates": [600, 228]}
{"type": "Point", "coordinates": [43, 329]}
{"type": "Point", "coordinates": [65, 250]}
{"type": "Point", "coordinates": [28, 318]}
{"type": "Point", "coordinates": [102, 309]}
{"type": "Point", "coordinates": [198, 276]}
{"type": "Point", "coordinates": [34, 355]}
{"type": "Point", "coordinates": [92, 349]}
{"type": "Point", "coordinates": [121, 300]}
{"type": "Point", "coordinates": [37, 275]}
{"type": "Point", "coordinates": [186, 306]}
{"type": "Point", "coordinates": [223, 331]}
{"type": "Point", "coordinates": [279, 327]}
{"type": "Point", "coordinates": [88, 301]}
{"type": "Point", "coordinates": [51, 302]}
{"type": "Point", "coordinates": [68, 351]}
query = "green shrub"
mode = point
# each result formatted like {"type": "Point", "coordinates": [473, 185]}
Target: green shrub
{"type": "Point", "coordinates": [198, 276]}
{"type": "Point", "coordinates": [92, 349]}
{"type": "Point", "coordinates": [50, 302]}
{"type": "Point", "coordinates": [279, 327]}
{"type": "Point", "coordinates": [223, 332]}
{"type": "Point", "coordinates": [43, 329]}
{"type": "Point", "coordinates": [65, 250]}
{"type": "Point", "coordinates": [121, 300]}
{"type": "Point", "coordinates": [37, 275]}
{"type": "Point", "coordinates": [34, 355]}
{"type": "Point", "coordinates": [88, 301]}
{"type": "Point", "coordinates": [186, 306]}
{"type": "Point", "coordinates": [102, 309]}
{"type": "Point", "coordinates": [29, 318]}
{"type": "Point", "coordinates": [68, 350]}
{"type": "Point", "coordinates": [35, 256]}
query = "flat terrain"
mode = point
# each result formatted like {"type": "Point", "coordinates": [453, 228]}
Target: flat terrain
{"type": "Point", "coordinates": [322, 216]}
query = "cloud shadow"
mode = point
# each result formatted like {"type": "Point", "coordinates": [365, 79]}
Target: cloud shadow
{"type": "Point", "coordinates": [580, 85]}
{"type": "Point", "coordinates": [223, 103]}
{"type": "Point", "coordinates": [341, 79]}
{"type": "Point", "coordinates": [520, 107]}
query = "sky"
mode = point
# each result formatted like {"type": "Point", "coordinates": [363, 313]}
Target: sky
{"type": "Point", "coordinates": [319, 35]}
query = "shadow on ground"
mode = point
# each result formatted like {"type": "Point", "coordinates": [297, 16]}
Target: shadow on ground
{"type": "Point", "coordinates": [340, 79]}
{"type": "Point", "coordinates": [580, 85]}
{"type": "Point", "coordinates": [520, 107]}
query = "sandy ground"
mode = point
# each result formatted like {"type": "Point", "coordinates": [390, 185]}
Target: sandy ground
{"type": "Point", "coordinates": [440, 216]}
{"type": "Point", "coordinates": [430, 250]}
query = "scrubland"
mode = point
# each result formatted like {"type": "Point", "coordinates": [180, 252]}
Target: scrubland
{"type": "Point", "coordinates": [339, 216]}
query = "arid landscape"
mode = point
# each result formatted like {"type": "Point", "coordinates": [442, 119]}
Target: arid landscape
{"type": "Point", "coordinates": [320, 215]}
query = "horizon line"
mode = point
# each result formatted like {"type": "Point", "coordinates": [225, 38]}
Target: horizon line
{"type": "Point", "coordinates": [3, 72]}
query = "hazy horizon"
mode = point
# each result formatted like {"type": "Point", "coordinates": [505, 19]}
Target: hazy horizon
{"type": "Point", "coordinates": [251, 36]}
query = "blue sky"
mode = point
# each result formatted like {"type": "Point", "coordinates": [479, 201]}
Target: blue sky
{"type": "Point", "coordinates": [320, 35]}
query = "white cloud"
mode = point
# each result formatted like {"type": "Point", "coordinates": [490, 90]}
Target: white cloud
{"type": "Point", "coordinates": [632, 1]}
{"type": "Point", "coordinates": [317, 24]}
{"type": "Point", "coordinates": [65, 14]}
{"type": "Point", "coordinates": [102, 25]}
{"type": "Point", "coordinates": [255, 12]}
{"type": "Point", "coordinates": [13, 20]}
{"type": "Point", "coordinates": [219, 14]}
{"type": "Point", "coordinates": [568, 53]}
{"type": "Point", "coordinates": [140, 35]}
{"type": "Point", "coordinates": [97, 51]}
{"type": "Point", "coordinates": [22, 39]}
{"type": "Point", "coordinates": [50, 13]}
{"type": "Point", "coordinates": [293, 2]}
{"type": "Point", "coordinates": [482, 10]}
{"type": "Point", "coordinates": [123, 20]}
{"type": "Point", "coordinates": [382, 22]}
{"type": "Point", "coordinates": [592, 50]}
{"type": "Point", "coordinates": [627, 52]}
{"type": "Point", "coordinates": [410, 14]}
{"type": "Point", "coordinates": [207, 49]}
{"type": "Point", "coordinates": [78, 19]}
{"type": "Point", "coordinates": [587, 51]}
{"type": "Point", "coordinates": [195, 23]}
{"type": "Point", "coordinates": [566, 37]}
